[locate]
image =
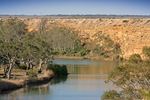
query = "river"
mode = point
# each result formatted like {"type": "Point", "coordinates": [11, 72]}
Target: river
{"type": "Point", "coordinates": [86, 81]}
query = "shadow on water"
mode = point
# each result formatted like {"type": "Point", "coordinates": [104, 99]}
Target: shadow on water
{"type": "Point", "coordinates": [59, 80]}
{"type": "Point", "coordinates": [33, 89]}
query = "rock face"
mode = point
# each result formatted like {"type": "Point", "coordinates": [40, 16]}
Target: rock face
{"type": "Point", "coordinates": [131, 33]}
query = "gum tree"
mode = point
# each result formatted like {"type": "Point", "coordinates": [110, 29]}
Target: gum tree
{"type": "Point", "coordinates": [132, 77]}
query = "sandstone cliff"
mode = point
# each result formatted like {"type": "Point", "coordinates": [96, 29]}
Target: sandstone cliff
{"type": "Point", "coordinates": [131, 33]}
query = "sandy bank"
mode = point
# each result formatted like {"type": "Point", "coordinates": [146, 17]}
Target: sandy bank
{"type": "Point", "coordinates": [6, 84]}
{"type": "Point", "coordinates": [86, 57]}
{"type": "Point", "coordinates": [68, 57]}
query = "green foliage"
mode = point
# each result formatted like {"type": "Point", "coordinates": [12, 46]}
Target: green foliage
{"type": "Point", "coordinates": [62, 52]}
{"type": "Point", "coordinates": [78, 47]}
{"type": "Point", "coordinates": [135, 58]}
{"type": "Point", "coordinates": [54, 52]}
{"type": "Point", "coordinates": [59, 70]}
{"type": "Point", "coordinates": [62, 38]}
{"type": "Point", "coordinates": [84, 52]}
{"type": "Point", "coordinates": [125, 21]}
{"type": "Point", "coordinates": [116, 48]}
{"type": "Point", "coordinates": [12, 30]}
{"type": "Point", "coordinates": [146, 94]}
{"type": "Point", "coordinates": [131, 77]}
{"type": "Point", "coordinates": [21, 66]}
{"type": "Point", "coordinates": [70, 53]}
{"type": "Point", "coordinates": [32, 73]}
{"type": "Point", "coordinates": [111, 95]}
{"type": "Point", "coordinates": [146, 51]}
{"type": "Point", "coordinates": [108, 42]}
{"type": "Point", "coordinates": [103, 45]}
{"type": "Point", "coordinates": [121, 58]}
{"type": "Point", "coordinates": [106, 56]}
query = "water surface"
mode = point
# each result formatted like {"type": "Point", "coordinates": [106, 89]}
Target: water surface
{"type": "Point", "coordinates": [84, 82]}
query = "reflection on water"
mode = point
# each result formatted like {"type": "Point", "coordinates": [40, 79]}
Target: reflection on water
{"type": "Point", "coordinates": [59, 80]}
{"type": "Point", "coordinates": [27, 93]}
{"type": "Point", "coordinates": [84, 82]}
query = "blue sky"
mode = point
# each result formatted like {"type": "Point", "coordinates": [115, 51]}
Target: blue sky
{"type": "Point", "coordinates": [49, 7]}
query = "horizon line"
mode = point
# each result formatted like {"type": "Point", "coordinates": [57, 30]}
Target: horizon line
{"type": "Point", "coordinates": [73, 15]}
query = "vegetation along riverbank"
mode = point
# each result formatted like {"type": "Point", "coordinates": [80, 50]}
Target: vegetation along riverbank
{"type": "Point", "coordinates": [19, 80]}
{"type": "Point", "coordinates": [28, 45]}
{"type": "Point", "coordinates": [133, 77]}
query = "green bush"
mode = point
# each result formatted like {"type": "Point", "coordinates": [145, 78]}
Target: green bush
{"type": "Point", "coordinates": [110, 95]}
{"type": "Point", "coordinates": [121, 58]}
{"type": "Point", "coordinates": [101, 53]}
{"type": "Point", "coordinates": [106, 55]}
{"type": "Point", "coordinates": [55, 52]}
{"type": "Point", "coordinates": [59, 70]}
{"type": "Point", "coordinates": [146, 51]}
{"type": "Point", "coordinates": [146, 94]}
{"type": "Point", "coordinates": [32, 73]}
{"type": "Point", "coordinates": [125, 21]}
{"type": "Point", "coordinates": [70, 53]}
{"type": "Point", "coordinates": [135, 58]}
{"type": "Point", "coordinates": [84, 52]}
{"type": "Point", "coordinates": [62, 52]}
{"type": "Point", "coordinates": [21, 66]}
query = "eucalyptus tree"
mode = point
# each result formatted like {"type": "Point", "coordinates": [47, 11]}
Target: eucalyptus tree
{"type": "Point", "coordinates": [40, 41]}
{"type": "Point", "coordinates": [11, 33]}
{"type": "Point", "coordinates": [43, 53]}
{"type": "Point", "coordinates": [10, 51]}
{"type": "Point", "coordinates": [133, 78]}
{"type": "Point", "coordinates": [62, 38]}
{"type": "Point", "coordinates": [28, 52]}
{"type": "Point", "coordinates": [12, 30]}
{"type": "Point", "coordinates": [42, 26]}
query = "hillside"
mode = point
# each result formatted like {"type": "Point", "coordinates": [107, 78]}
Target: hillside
{"type": "Point", "coordinates": [131, 33]}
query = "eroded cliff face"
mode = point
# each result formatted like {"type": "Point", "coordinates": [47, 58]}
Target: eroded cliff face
{"type": "Point", "coordinates": [131, 33]}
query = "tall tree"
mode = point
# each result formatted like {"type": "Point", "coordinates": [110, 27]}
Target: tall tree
{"type": "Point", "coordinates": [11, 33]}
{"type": "Point", "coordinates": [12, 30]}
{"type": "Point", "coordinates": [10, 51]}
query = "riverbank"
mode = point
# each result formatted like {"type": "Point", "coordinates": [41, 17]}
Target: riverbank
{"type": "Point", "coordinates": [68, 57]}
{"type": "Point", "coordinates": [13, 84]}
{"type": "Point", "coordinates": [85, 57]}
{"type": "Point", "coordinates": [6, 85]}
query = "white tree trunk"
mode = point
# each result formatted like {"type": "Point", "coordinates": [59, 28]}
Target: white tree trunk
{"type": "Point", "coordinates": [40, 66]}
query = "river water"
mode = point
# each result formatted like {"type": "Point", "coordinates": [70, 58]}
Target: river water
{"type": "Point", "coordinates": [86, 81]}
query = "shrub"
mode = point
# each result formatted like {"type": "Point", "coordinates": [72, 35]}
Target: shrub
{"type": "Point", "coordinates": [146, 94]}
{"type": "Point", "coordinates": [146, 51]}
{"type": "Point", "coordinates": [21, 66]}
{"type": "Point", "coordinates": [55, 52]}
{"type": "Point", "coordinates": [70, 53]}
{"type": "Point", "coordinates": [135, 58]}
{"type": "Point", "coordinates": [32, 73]}
{"type": "Point", "coordinates": [106, 55]}
{"type": "Point", "coordinates": [85, 52]}
{"type": "Point", "coordinates": [111, 95]}
{"type": "Point", "coordinates": [62, 52]}
{"type": "Point", "coordinates": [101, 53]}
{"type": "Point", "coordinates": [131, 78]}
{"type": "Point", "coordinates": [121, 58]}
{"type": "Point", "coordinates": [59, 70]}
{"type": "Point", "coordinates": [116, 57]}
{"type": "Point", "coordinates": [116, 48]}
{"type": "Point", "coordinates": [125, 21]}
